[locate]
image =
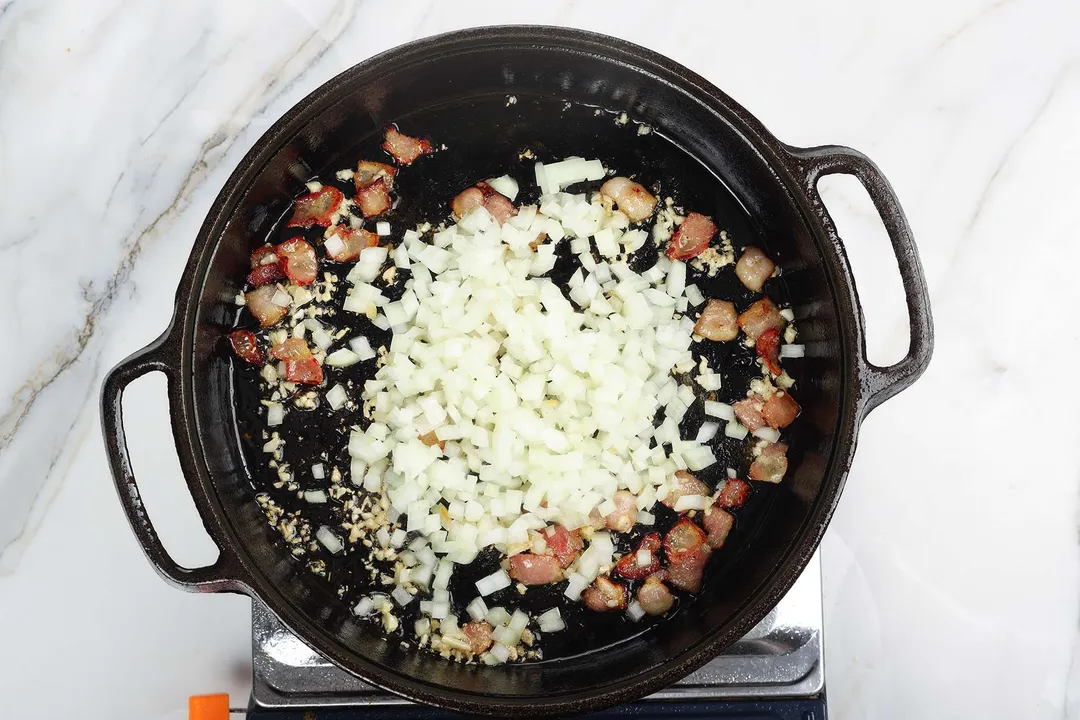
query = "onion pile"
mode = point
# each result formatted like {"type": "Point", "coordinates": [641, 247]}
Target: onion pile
{"type": "Point", "coordinates": [546, 405]}
{"type": "Point", "coordinates": [504, 405]}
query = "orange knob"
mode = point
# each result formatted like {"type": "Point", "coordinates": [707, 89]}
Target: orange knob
{"type": "Point", "coordinates": [208, 707]}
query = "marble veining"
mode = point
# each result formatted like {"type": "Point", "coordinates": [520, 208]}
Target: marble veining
{"type": "Point", "coordinates": [951, 568]}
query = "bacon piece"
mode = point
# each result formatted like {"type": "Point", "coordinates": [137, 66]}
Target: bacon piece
{"type": "Point", "coordinates": [692, 237]}
{"type": "Point", "coordinates": [264, 274]}
{"type": "Point", "coordinates": [748, 412]}
{"type": "Point", "coordinates": [754, 268]}
{"type": "Point", "coordinates": [686, 484]}
{"type": "Point", "coordinates": [654, 597]}
{"type": "Point", "coordinates": [683, 537]}
{"type": "Point", "coordinates": [499, 206]}
{"type": "Point", "coordinates": [291, 349]}
{"type": "Point", "coordinates": [687, 553]}
{"type": "Point", "coordinates": [482, 194]}
{"type": "Point", "coordinates": [374, 199]}
{"type": "Point", "coordinates": [717, 524]}
{"type": "Point", "coordinates": [604, 595]}
{"type": "Point", "coordinates": [261, 304]}
{"type": "Point", "coordinates": [771, 464]}
{"type": "Point", "coordinates": [688, 573]}
{"type": "Point", "coordinates": [563, 543]}
{"type": "Point", "coordinates": [368, 171]}
{"type": "Point", "coordinates": [780, 410]}
{"type": "Point", "coordinates": [632, 199]}
{"type": "Point", "coordinates": [768, 349]}
{"type": "Point", "coordinates": [718, 321]}
{"type": "Point", "coordinates": [265, 266]}
{"type": "Point", "coordinates": [299, 261]}
{"type": "Point", "coordinates": [344, 244]}
{"type": "Point", "coordinates": [759, 318]}
{"type": "Point", "coordinates": [316, 208]}
{"type": "Point", "coordinates": [530, 569]}
{"type": "Point", "coordinates": [246, 346]}
{"type": "Point", "coordinates": [733, 494]}
{"type": "Point", "coordinates": [404, 148]}
{"type": "Point", "coordinates": [466, 201]}
{"type": "Point", "coordinates": [306, 371]}
{"type": "Point", "coordinates": [479, 634]}
{"type": "Point", "coordinates": [628, 565]}
{"type": "Point", "coordinates": [300, 365]}
{"type": "Point", "coordinates": [625, 514]}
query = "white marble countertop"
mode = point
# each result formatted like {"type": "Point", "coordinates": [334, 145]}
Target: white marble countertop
{"type": "Point", "coordinates": [951, 583]}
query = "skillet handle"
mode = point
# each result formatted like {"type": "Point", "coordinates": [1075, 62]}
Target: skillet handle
{"type": "Point", "coordinates": [878, 383]}
{"type": "Point", "coordinates": [155, 357]}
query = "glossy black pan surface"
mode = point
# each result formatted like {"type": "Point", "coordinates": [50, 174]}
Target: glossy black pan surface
{"type": "Point", "coordinates": [447, 82]}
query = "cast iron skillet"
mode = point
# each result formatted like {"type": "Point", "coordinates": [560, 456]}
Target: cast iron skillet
{"type": "Point", "coordinates": [775, 186]}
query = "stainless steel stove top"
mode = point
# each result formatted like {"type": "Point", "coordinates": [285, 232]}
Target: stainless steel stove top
{"type": "Point", "coordinates": [781, 657]}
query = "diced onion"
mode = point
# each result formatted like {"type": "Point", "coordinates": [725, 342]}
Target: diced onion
{"type": "Point", "coordinates": [550, 621]}
{"type": "Point", "coordinates": [577, 584]}
{"type": "Point", "coordinates": [518, 621]}
{"type": "Point", "coordinates": [318, 471]}
{"type": "Point", "coordinates": [692, 502]}
{"type": "Point", "coordinates": [699, 457]}
{"type": "Point", "coordinates": [275, 414]}
{"type": "Point", "coordinates": [505, 185]}
{"type": "Point", "coordinates": [336, 396]}
{"type": "Point", "coordinates": [710, 382]}
{"type": "Point", "coordinates": [493, 583]}
{"type": "Point", "coordinates": [707, 432]}
{"type": "Point", "coordinates": [334, 245]}
{"type": "Point", "coordinates": [556, 176]}
{"type": "Point", "coordinates": [401, 596]}
{"type": "Point", "coordinates": [719, 410]}
{"type": "Point", "coordinates": [321, 338]}
{"type": "Point", "coordinates": [329, 540]}
{"type": "Point", "coordinates": [768, 434]}
{"type": "Point", "coordinates": [634, 611]}
{"type": "Point", "coordinates": [342, 358]}
{"type": "Point", "coordinates": [477, 609]}
{"type": "Point", "coordinates": [734, 430]}
{"type": "Point", "coordinates": [676, 279]}
{"type": "Point", "coordinates": [281, 298]}
{"type": "Point", "coordinates": [362, 347]}
{"type": "Point", "coordinates": [498, 616]}
{"type": "Point", "coordinates": [792, 351]}
{"type": "Point", "coordinates": [382, 228]}
{"type": "Point", "coordinates": [506, 636]}
{"type": "Point", "coordinates": [315, 496]}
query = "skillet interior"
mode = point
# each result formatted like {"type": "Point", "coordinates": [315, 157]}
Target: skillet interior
{"type": "Point", "coordinates": [459, 99]}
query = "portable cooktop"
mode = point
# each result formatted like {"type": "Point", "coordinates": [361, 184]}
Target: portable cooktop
{"type": "Point", "coordinates": [776, 671]}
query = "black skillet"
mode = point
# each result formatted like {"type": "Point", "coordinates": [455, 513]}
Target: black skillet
{"type": "Point", "coordinates": [707, 151]}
